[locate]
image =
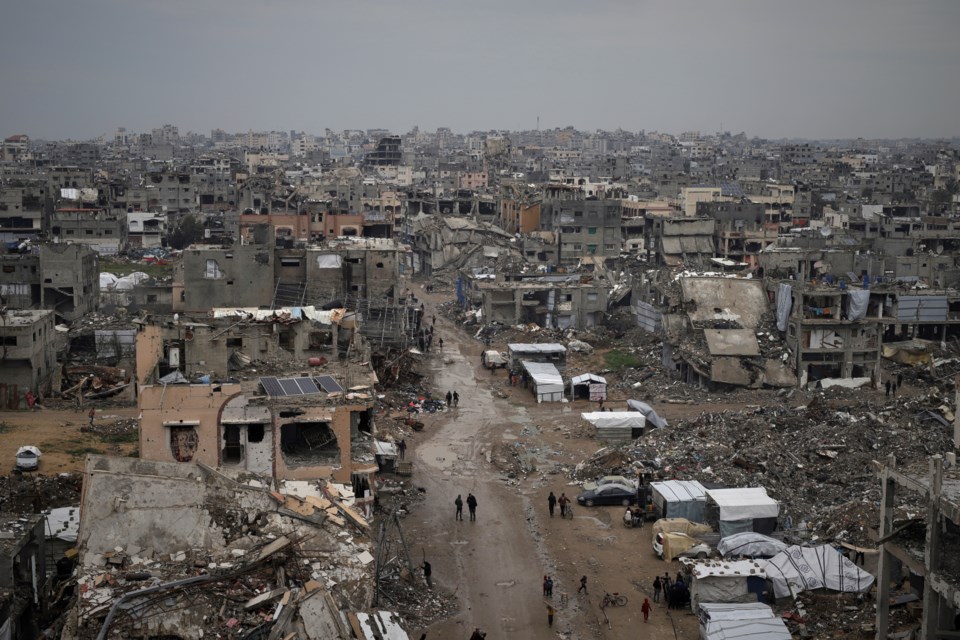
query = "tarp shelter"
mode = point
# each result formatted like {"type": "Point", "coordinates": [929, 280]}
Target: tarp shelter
{"type": "Point", "coordinates": [589, 387]}
{"type": "Point", "coordinates": [753, 545]}
{"type": "Point", "coordinates": [726, 581]}
{"type": "Point", "coordinates": [679, 499]}
{"type": "Point", "coordinates": [740, 621]}
{"type": "Point", "coordinates": [808, 568]}
{"type": "Point", "coordinates": [680, 525]}
{"type": "Point", "coordinates": [545, 380]}
{"type": "Point", "coordinates": [616, 425]}
{"type": "Point", "coordinates": [552, 352]}
{"type": "Point", "coordinates": [676, 543]}
{"type": "Point", "coordinates": [648, 412]}
{"type": "Point", "coordinates": [386, 455]}
{"type": "Point", "coordinates": [738, 510]}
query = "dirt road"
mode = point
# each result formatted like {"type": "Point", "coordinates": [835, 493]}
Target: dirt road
{"type": "Point", "coordinates": [495, 566]}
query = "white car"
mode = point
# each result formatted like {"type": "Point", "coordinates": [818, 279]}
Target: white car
{"type": "Point", "coordinates": [28, 458]}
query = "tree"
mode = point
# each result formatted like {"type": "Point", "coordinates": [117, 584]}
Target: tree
{"type": "Point", "coordinates": [187, 231]}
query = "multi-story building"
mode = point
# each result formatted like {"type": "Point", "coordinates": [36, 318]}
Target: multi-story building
{"type": "Point", "coordinates": [63, 278]}
{"type": "Point", "coordinates": [28, 358]}
{"type": "Point", "coordinates": [586, 227]}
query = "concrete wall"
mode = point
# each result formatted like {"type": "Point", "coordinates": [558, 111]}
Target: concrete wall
{"type": "Point", "coordinates": [241, 276]}
{"type": "Point", "coordinates": [28, 357]}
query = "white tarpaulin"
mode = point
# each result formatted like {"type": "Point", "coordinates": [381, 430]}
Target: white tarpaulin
{"type": "Point", "coordinates": [64, 523]}
{"type": "Point", "coordinates": [857, 300]}
{"type": "Point", "coordinates": [329, 261]}
{"type": "Point", "coordinates": [648, 412]}
{"type": "Point", "coordinates": [724, 581]}
{"type": "Point", "coordinates": [679, 499]}
{"type": "Point", "coordinates": [784, 303]}
{"type": "Point", "coordinates": [744, 503]}
{"type": "Point", "coordinates": [608, 419]}
{"type": "Point", "coordinates": [547, 381]}
{"type": "Point", "coordinates": [765, 629]}
{"type": "Point", "coordinates": [754, 545]}
{"type": "Point", "coordinates": [107, 280]}
{"type": "Point", "coordinates": [807, 568]}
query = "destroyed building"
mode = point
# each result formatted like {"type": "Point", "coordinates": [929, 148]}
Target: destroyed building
{"type": "Point", "coordinates": [28, 356]}
{"type": "Point", "coordinates": [105, 231]}
{"type": "Point", "coordinates": [587, 226]}
{"type": "Point", "coordinates": [557, 300]}
{"type": "Point", "coordinates": [179, 550]}
{"type": "Point", "coordinates": [23, 575]}
{"type": "Point", "coordinates": [63, 278]}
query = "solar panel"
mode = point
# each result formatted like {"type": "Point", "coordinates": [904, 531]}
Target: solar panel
{"type": "Point", "coordinates": [329, 384]}
{"type": "Point", "coordinates": [272, 386]}
{"type": "Point", "coordinates": [306, 385]}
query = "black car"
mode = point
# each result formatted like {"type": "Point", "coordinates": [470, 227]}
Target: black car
{"type": "Point", "coordinates": [608, 494]}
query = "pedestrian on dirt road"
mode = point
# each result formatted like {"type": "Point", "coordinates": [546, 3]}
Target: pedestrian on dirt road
{"type": "Point", "coordinates": [449, 399]}
{"type": "Point", "coordinates": [888, 388]}
{"type": "Point", "coordinates": [549, 587]}
{"type": "Point", "coordinates": [402, 448]}
{"type": "Point", "coordinates": [551, 503]}
{"type": "Point", "coordinates": [92, 414]}
{"type": "Point", "coordinates": [544, 586]}
{"type": "Point", "coordinates": [472, 505]}
{"type": "Point", "coordinates": [550, 613]}
{"type": "Point", "coordinates": [456, 399]}
{"type": "Point", "coordinates": [656, 589]}
{"type": "Point", "coordinates": [564, 501]}
{"type": "Point", "coordinates": [427, 572]}
{"type": "Point", "coordinates": [583, 585]}
{"type": "Point", "coordinates": [459, 503]}
{"type": "Point", "coordinates": [440, 342]}
{"type": "Point", "coordinates": [899, 380]}
{"type": "Point", "coordinates": [645, 608]}
{"type": "Point", "coordinates": [433, 320]}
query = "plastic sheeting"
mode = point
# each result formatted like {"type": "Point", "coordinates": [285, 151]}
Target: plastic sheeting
{"type": "Point", "coordinates": [648, 412]}
{"type": "Point", "coordinates": [745, 503]}
{"type": "Point", "coordinates": [608, 419]}
{"type": "Point", "coordinates": [680, 499]}
{"type": "Point", "coordinates": [676, 543]}
{"type": "Point", "coordinates": [680, 525]}
{"type": "Point", "coordinates": [767, 629]}
{"type": "Point", "coordinates": [807, 568]}
{"type": "Point", "coordinates": [857, 301]}
{"type": "Point", "coordinates": [784, 303]}
{"type": "Point", "coordinates": [751, 544]}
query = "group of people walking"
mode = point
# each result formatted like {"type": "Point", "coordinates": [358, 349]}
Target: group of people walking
{"type": "Point", "coordinates": [471, 506]}
{"type": "Point", "coordinates": [553, 501]}
{"type": "Point", "coordinates": [453, 399]}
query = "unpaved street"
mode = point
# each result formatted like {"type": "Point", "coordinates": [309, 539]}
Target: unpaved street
{"type": "Point", "coordinates": [495, 566]}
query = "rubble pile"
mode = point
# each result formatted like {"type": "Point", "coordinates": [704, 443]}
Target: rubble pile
{"type": "Point", "coordinates": [816, 460]}
{"type": "Point", "coordinates": [93, 382]}
{"type": "Point", "coordinates": [31, 493]}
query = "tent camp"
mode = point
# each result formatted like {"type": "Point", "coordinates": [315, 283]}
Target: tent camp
{"type": "Point", "coordinates": [727, 581]}
{"type": "Point", "coordinates": [648, 412]}
{"type": "Point", "coordinates": [752, 545]}
{"type": "Point", "coordinates": [740, 621]}
{"type": "Point", "coordinates": [545, 380]}
{"type": "Point", "coordinates": [548, 352]}
{"type": "Point", "coordinates": [588, 387]}
{"type": "Point", "coordinates": [737, 510]}
{"type": "Point", "coordinates": [616, 426]}
{"type": "Point", "coordinates": [679, 499]}
{"type": "Point", "coordinates": [805, 568]}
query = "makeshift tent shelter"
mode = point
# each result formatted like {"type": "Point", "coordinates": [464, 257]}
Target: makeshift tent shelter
{"type": "Point", "coordinates": [386, 454]}
{"type": "Point", "coordinates": [546, 381]}
{"type": "Point", "coordinates": [679, 499]}
{"type": "Point", "coordinates": [805, 568]}
{"type": "Point", "coordinates": [648, 412]}
{"type": "Point", "coordinates": [588, 387]}
{"type": "Point", "coordinates": [680, 525]}
{"type": "Point", "coordinates": [551, 352]}
{"type": "Point", "coordinates": [737, 510]}
{"type": "Point", "coordinates": [740, 621]}
{"type": "Point", "coordinates": [674, 544]}
{"type": "Point", "coordinates": [753, 545]}
{"type": "Point", "coordinates": [616, 426]}
{"type": "Point", "coordinates": [726, 581]}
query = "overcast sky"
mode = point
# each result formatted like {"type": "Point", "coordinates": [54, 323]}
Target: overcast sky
{"type": "Point", "coordinates": [772, 68]}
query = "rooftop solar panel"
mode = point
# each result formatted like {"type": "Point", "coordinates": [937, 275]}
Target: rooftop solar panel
{"type": "Point", "coordinates": [329, 384]}
{"type": "Point", "coordinates": [272, 386]}
{"type": "Point", "coordinates": [306, 385]}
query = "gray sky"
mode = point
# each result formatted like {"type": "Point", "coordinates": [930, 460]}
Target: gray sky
{"type": "Point", "coordinates": [773, 68]}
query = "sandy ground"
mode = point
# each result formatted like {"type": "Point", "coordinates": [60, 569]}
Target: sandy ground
{"type": "Point", "coordinates": [57, 434]}
{"type": "Point", "coordinates": [495, 566]}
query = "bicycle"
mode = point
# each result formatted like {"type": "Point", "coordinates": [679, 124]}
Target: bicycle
{"type": "Point", "coordinates": [567, 513]}
{"type": "Point", "coordinates": [613, 600]}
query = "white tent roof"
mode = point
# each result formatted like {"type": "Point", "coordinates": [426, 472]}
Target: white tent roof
{"type": "Point", "coordinates": [820, 567]}
{"type": "Point", "coordinates": [743, 503]}
{"type": "Point", "coordinates": [607, 419]}
{"type": "Point", "coordinates": [680, 490]}
{"type": "Point", "coordinates": [725, 569]}
{"type": "Point", "coordinates": [547, 347]}
{"type": "Point", "coordinates": [543, 373]}
{"type": "Point", "coordinates": [767, 629]}
{"type": "Point", "coordinates": [750, 544]}
{"type": "Point", "coordinates": [588, 378]}
{"type": "Point", "coordinates": [713, 611]}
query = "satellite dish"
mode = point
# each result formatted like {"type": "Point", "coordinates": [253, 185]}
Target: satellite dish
{"type": "Point", "coordinates": [826, 232]}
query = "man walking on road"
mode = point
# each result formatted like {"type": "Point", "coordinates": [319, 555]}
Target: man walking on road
{"type": "Point", "coordinates": [456, 399]}
{"type": "Point", "coordinates": [645, 609]}
{"type": "Point", "coordinates": [472, 505]}
{"type": "Point", "coordinates": [656, 589]}
{"type": "Point", "coordinates": [459, 503]}
{"type": "Point", "coordinates": [440, 344]}
{"type": "Point", "coordinates": [583, 585]}
{"type": "Point", "coordinates": [402, 448]}
{"type": "Point", "coordinates": [551, 502]}
{"type": "Point", "coordinates": [564, 501]}
{"type": "Point", "coordinates": [550, 613]}
{"type": "Point", "coordinates": [449, 399]}
{"type": "Point", "coordinates": [92, 414]}
{"type": "Point", "coordinates": [427, 572]}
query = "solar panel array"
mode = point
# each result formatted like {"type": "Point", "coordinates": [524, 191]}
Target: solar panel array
{"type": "Point", "coordinates": [283, 387]}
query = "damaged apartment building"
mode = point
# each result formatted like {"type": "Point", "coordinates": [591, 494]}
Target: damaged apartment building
{"type": "Point", "coordinates": [63, 278]}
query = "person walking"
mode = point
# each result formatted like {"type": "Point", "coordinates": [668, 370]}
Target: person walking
{"type": "Point", "coordinates": [427, 573]}
{"type": "Point", "coordinates": [564, 501]}
{"type": "Point", "coordinates": [449, 397]}
{"type": "Point", "coordinates": [899, 380]}
{"type": "Point", "coordinates": [550, 613]}
{"type": "Point", "coordinates": [402, 448]}
{"type": "Point", "coordinates": [545, 578]}
{"type": "Point", "coordinates": [92, 414]}
{"type": "Point", "coordinates": [440, 344]}
{"type": "Point", "coordinates": [551, 503]}
{"type": "Point", "coordinates": [472, 505]}
{"type": "Point", "coordinates": [549, 587]}
{"type": "Point", "coordinates": [656, 589]}
{"type": "Point", "coordinates": [583, 585]}
{"type": "Point", "coordinates": [459, 503]}
{"type": "Point", "coordinates": [456, 399]}
{"type": "Point", "coordinates": [888, 385]}
{"type": "Point", "coordinates": [645, 608]}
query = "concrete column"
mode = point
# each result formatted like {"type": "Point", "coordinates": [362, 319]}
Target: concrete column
{"type": "Point", "coordinates": [887, 503]}
{"type": "Point", "coordinates": [931, 599]}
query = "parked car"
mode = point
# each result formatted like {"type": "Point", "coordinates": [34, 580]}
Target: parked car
{"type": "Point", "coordinates": [493, 359]}
{"type": "Point", "coordinates": [611, 493]}
{"type": "Point", "coordinates": [28, 458]}
{"type": "Point", "coordinates": [698, 549]}
{"type": "Point", "coordinates": [624, 480]}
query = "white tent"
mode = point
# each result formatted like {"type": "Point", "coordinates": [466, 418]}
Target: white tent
{"type": "Point", "coordinates": [616, 425]}
{"type": "Point", "coordinates": [107, 280]}
{"type": "Point", "coordinates": [679, 499]}
{"type": "Point", "coordinates": [744, 509]}
{"type": "Point", "coordinates": [595, 387]}
{"type": "Point", "coordinates": [750, 544]}
{"type": "Point", "coordinates": [740, 621]}
{"type": "Point", "coordinates": [547, 381]}
{"type": "Point", "coordinates": [648, 412]}
{"type": "Point", "coordinates": [806, 568]}
{"type": "Point", "coordinates": [726, 581]}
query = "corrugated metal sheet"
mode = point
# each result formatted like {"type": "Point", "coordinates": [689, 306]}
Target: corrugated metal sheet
{"type": "Point", "coordinates": [922, 308]}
